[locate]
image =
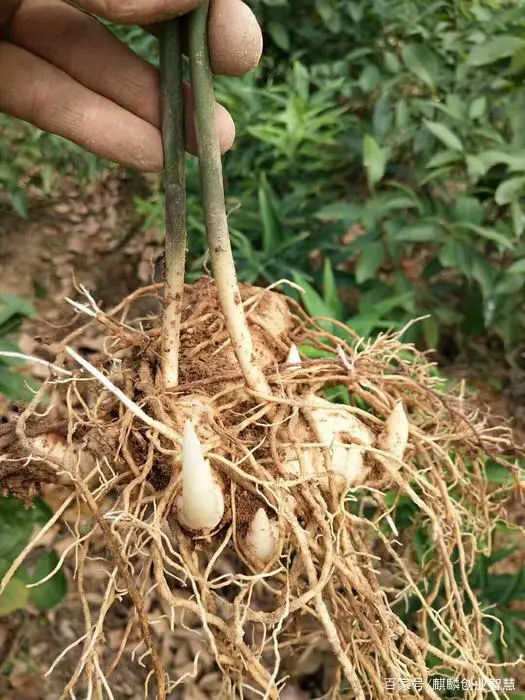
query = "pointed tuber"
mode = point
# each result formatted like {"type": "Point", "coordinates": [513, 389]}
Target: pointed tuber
{"type": "Point", "coordinates": [394, 437]}
{"type": "Point", "coordinates": [293, 356]}
{"type": "Point", "coordinates": [261, 541]}
{"type": "Point", "coordinates": [201, 505]}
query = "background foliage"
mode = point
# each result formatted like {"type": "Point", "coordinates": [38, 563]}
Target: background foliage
{"type": "Point", "coordinates": [13, 385]}
{"type": "Point", "coordinates": [386, 136]}
{"type": "Point", "coordinates": [17, 525]}
{"type": "Point", "coordinates": [389, 138]}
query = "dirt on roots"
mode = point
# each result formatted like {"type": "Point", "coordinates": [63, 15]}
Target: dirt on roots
{"type": "Point", "coordinates": [346, 599]}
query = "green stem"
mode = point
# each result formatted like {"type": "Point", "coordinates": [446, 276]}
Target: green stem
{"type": "Point", "coordinates": [212, 188]}
{"type": "Point", "coordinates": [172, 95]}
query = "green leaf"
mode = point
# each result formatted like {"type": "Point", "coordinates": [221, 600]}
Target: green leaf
{"type": "Point", "coordinates": [338, 394]}
{"type": "Point", "coordinates": [517, 64]}
{"type": "Point", "coordinates": [418, 233]}
{"type": "Point", "coordinates": [402, 113]}
{"type": "Point", "coordinates": [517, 267]}
{"type": "Point", "coordinates": [16, 526]}
{"type": "Point", "coordinates": [483, 273]}
{"type": "Point", "coordinates": [384, 306]}
{"type": "Point", "coordinates": [6, 346]}
{"type": "Point", "coordinates": [444, 134]}
{"type": "Point", "coordinates": [509, 284]}
{"type": "Point", "coordinates": [382, 117]}
{"type": "Point", "coordinates": [364, 324]}
{"type": "Point", "coordinates": [510, 190]}
{"type": "Point", "coordinates": [370, 78]}
{"type": "Point", "coordinates": [494, 50]}
{"type": "Point", "coordinates": [339, 211]}
{"type": "Point", "coordinates": [377, 208]}
{"type": "Point", "coordinates": [518, 218]}
{"type": "Point", "coordinates": [20, 203]}
{"type": "Point", "coordinates": [11, 305]}
{"type": "Point", "coordinates": [489, 233]}
{"type": "Point", "coordinates": [314, 303]}
{"type": "Point", "coordinates": [431, 332]}
{"type": "Point", "coordinates": [330, 290]}
{"type": "Point", "coordinates": [15, 386]}
{"type": "Point", "coordinates": [493, 156]}
{"type": "Point", "coordinates": [443, 158]}
{"type": "Point", "coordinates": [40, 511]}
{"type": "Point", "coordinates": [13, 509]}
{"type": "Point", "coordinates": [475, 167]}
{"type": "Point", "coordinates": [504, 553]}
{"type": "Point", "coordinates": [478, 107]}
{"type": "Point", "coordinates": [329, 14]}
{"type": "Point", "coordinates": [391, 62]}
{"type": "Point", "coordinates": [468, 209]}
{"type": "Point", "coordinates": [498, 474]}
{"type": "Point", "coordinates": [314, 353]}
{"type": "Point", "coordinates": [370, 259]}
{"type": "Point", "coordinates": [422, 62]}
{"type": "Point", "coordinates": [454, 254]}
{"type": "Point", "coordinates": [271, 233]}
{"type": "Point", "coordinates": [301, 80]}
{"type": "Point", "coordinates": [513, 589]}
{"type": "Point", "coordinates": [14, 597]}
{"type": "Point", "coordinates": [375, 159]}
{"type": "Point", "coordinates": [279, 35]}
{"type": "Point", "coordinates": [50, 593]}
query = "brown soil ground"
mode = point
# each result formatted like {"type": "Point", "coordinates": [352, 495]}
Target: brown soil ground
{"type": "Point", "coordinates": [95, 238]}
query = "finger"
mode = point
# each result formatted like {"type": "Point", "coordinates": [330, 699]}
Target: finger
{"type": "Point", "coordinates": [137, 11]}
{"type": "Point", "coordinates": [53, 101]}
{"type": "Point", "coordinates": [88, 52]}
{"type": "Point", "coordinates": [235, 38]}
{"type": "Point", "coordinates": [7, 10]}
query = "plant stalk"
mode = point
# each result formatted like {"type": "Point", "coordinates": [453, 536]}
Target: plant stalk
{"type": "Point", "coordinates": [172, 104]}
{"type": "Point", "coordinates": [212, 188]}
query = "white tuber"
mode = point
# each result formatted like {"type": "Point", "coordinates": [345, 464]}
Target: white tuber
{"type": "Point", "coordinates": [261, 541]}
{"type": "Point", "coordinates": [201, 505]}
{"type": "Point", "coordinates": [343, 434]}
{"type": "Point", "coordinates": [293, 356]}
{"type": "Point", "coordinates": [394, 437]}
{"type": "Point", "coordinates": [57, 450]}
{"type": "Point", "coordinates": [332, 418]}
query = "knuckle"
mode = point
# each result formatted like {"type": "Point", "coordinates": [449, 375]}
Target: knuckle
{"type": "Point", "coordinates": [120, 12]}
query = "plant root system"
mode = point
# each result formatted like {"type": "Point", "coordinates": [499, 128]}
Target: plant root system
{"type": "Point", "coordinates": [303, 562]}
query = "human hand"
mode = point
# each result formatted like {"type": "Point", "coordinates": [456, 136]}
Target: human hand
{"type": "Point", "coordinates": [64, 72]}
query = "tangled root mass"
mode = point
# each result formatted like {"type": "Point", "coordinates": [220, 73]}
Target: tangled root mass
{"type": "Point", "coordinates": [309, 565]}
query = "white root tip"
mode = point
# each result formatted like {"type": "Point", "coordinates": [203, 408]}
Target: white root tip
{"type": "Point", "coordinates": [202, 503]}
{"type": "Point", "coordinates": [260, 539]}
{"type": "Point", "coordinates": [293, 356]}
{"type": "Point", "coordinates": [394, 437]}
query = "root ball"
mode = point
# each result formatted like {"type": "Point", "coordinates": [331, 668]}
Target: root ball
{"type": "Point", "coordinates": [270, 523]}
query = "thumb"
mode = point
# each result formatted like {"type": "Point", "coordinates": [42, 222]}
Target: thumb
{"type": "Point", "coordinates": [136, 11]}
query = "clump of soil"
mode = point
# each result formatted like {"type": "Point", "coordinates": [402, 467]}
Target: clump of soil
{"type": "Point", "coordinates": [345, 565]}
